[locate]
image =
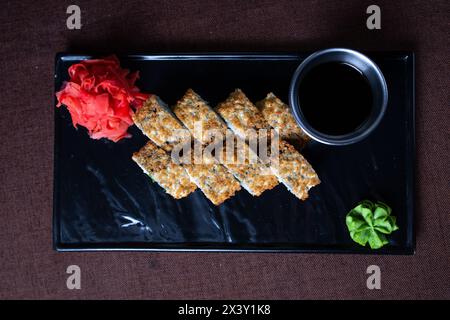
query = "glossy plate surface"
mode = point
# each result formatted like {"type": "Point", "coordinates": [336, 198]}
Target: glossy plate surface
{"type": "Point", "coordinates": [103, 201]}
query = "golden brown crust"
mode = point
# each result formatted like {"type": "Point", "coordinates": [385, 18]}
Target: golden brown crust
{"type": "Point", "coordinates": [279, 117]}
{"type": "Point", "coordinates": [242, 115]}
{"type": "Point", "coordinates": [255, 178]}
{"type": "Point", "coordinates": [294, 171]}
{"type": "Point", "coordinates": [244, 164]}
{"type": "Point", "coordinates": [203, 123]}
{"type": "Point", "coordinates": [214, 180]}
{"type": "Point", "coordinates": [216, 183]}
{"type": "Point", "coordinates": [157, 123]}
{"type": "Point", "coordinates": [171, 177]}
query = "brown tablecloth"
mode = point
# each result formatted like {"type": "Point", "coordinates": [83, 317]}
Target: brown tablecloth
{"type": "Point", "coordinates": [31, 32]}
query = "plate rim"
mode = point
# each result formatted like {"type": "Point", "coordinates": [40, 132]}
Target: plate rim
{"type": "Point", "coordinates": [408, 249]}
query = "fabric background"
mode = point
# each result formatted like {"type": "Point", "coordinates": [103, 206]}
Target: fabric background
{"type": "Point", "coordinates": [31, 32]}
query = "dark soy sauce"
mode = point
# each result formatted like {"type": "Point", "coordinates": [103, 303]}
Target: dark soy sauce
{"type": "Point", "coordinates": [335, 98]}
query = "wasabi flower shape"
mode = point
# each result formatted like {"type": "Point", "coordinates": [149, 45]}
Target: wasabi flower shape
{"type": "Point", "coordinates": [370, 222]}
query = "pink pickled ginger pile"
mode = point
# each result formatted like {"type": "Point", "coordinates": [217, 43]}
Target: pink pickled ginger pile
{"type": "Point", "coordinates": [101, 96]}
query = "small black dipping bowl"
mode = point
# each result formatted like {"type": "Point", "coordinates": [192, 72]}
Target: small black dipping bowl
{"type": "Point", "coordinates": [374, 78]}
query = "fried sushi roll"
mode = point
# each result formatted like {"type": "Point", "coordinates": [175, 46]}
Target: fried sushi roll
{"type": "Point", "coordinates": [279, 117]}
{"type": "Point", "coordinates": [158, 123]}
{"type": "Point", "coordinates": [294, 171]}
{"type": "Point", "coordinates": [242, 116]}
{"type": "Point", "coordinates": [243, 163]}
{"type": "Point", "coordinates": [157, 164]}
{"type": "Point", "coordinates": [212, 178]}
{"type": "Point", "coordinates": [201, 120]}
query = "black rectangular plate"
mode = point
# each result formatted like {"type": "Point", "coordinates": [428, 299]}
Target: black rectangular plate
{"type": "Point", "coordinates": [103, 201]}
